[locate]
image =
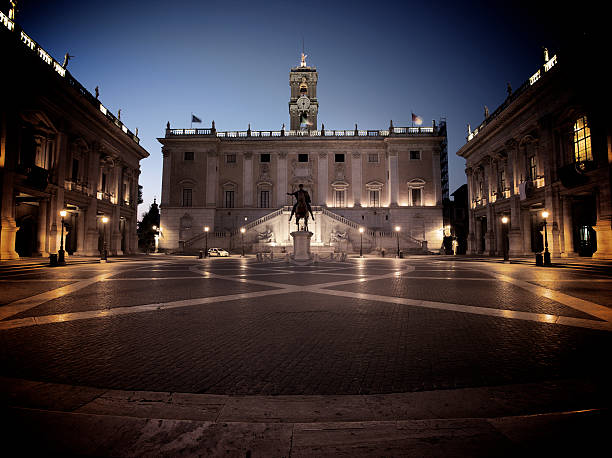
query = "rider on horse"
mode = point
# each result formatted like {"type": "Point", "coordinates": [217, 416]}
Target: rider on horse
{"type": "Point", "coordinates": [300, 194]}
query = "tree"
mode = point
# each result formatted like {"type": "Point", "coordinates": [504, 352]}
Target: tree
{"type": "Point", "coordinates": [148, 228]}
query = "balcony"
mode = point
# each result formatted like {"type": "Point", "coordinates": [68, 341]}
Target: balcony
{"type": "Point", "coordinates": [77, 186]}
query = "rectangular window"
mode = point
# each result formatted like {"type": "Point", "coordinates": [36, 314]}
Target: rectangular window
{"type": "Point", "coordinates": [189, 155]}
{"type": "Point", "coordinates": [339, 157]}
{"type": "Point", "coordinates": [229, 199]}
{"type": "Point", "coordinates": [582, 141]}
{"type": "Point", "coordinates": [230, 158]}
{"type": "Point", "coordinates": [415, 193]}
{"type": "Point", "coordinates": [415, 155]}
{"type": "Point", "coordinates": [104, 182]}
{"type": "Point", "coordinates": [75, 170]}
{"type": "Point", "coordinates": [264, 199]}
{"type": "Point", "coordinates": [533, 168]}
{"type": "Point", "coordinates": [340, 198]}
{"type": "Point", "coordinates": [302, 157]}
{"type": "Point", "coordinates": [373, 157]}
{"type": "Point", "coordinates": [374, 198]}
{"type": "Point", "coordinates": [502, 181]}
{"type": "Point", "coordinates": [264, 157]}
{"type": "Point", "coordinates": [187, 193]}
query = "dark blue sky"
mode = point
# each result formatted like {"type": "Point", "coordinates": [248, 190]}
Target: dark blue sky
{"type": "Point", "coordinates": [229, 61]}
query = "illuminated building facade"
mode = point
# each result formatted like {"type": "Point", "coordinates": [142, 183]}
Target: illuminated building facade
{"type": "Point", "coordinates": [546, 148]}
{"type": "Point", "coordinates": [373, 179]}
{"type": "Point", "coordinates": [61, 149]}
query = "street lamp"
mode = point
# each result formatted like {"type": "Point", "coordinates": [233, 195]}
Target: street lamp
{"type": "Point", "coordinates": [242, 231]}
{"type": "Point", "coordinates": [546, 252]}
{"type": "Point", "coordinates": [104, 251]}
{"type": "Point", "coordinates": [397, 231]}
{"type": "Point", "coordinates": [61, 260]}
{"type": "Point", "coordinates": [361, 242]}
{"type": "Point", "coordinates": [504, 221]}
{"type": "Point", "coordinates": [206, 229]}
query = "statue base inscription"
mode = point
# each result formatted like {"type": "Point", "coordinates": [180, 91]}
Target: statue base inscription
{"type": "Point", "coordinates": [301, 246]}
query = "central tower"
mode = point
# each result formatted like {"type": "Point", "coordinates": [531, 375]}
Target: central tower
{"type": "Point", "coordinates": [303, 103]}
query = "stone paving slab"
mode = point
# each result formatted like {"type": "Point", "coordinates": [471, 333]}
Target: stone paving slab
{"type": "Point", "coordinates": [289, 344]}
{"type": "Point", "coordinates": [111, 294]}
{"type": "Point", "coordinates": [496, 294]}
{"type": "Point", "coordinates": [14, 290]}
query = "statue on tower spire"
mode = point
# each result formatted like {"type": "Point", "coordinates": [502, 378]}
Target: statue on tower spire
{"type": "Point", "coordinates": [303, 62]}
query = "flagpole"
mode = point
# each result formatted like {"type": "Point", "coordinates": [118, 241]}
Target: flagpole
{"type": "Point", "coordinates": [191, 123]}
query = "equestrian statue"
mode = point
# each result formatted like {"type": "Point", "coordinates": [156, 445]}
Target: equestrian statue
{"type": "Point", "coordinates": [301, 208]}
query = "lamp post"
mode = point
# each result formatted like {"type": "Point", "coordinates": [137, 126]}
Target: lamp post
{"type": "Point", "coordinates": [397, 231]}
{"type": "Point", "coordinates": [104, 251]}
{"type": "Point", "coordinates": [242, 231]}
{"type": "Point", "coordinates": [361, 242]}
{"type": "Point", "coordinates": [546, 252]}
{"type": "Point", "coordinates": [206, 229]}
{"type": "Point", "coordinates": [504, 221]}
{"type": "Point", "coordinates": [61, 259]}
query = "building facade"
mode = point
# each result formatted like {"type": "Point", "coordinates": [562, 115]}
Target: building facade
{"type": "Point", "coordinates": [547, 148]}
{"type": "Point", "coordinates": [370, 179]}
{"type": "Point", "coordinates": [61, 149]}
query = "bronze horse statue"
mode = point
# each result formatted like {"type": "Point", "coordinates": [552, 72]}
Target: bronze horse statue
{"type": "Point", "coordinates": [302, 208]}
{"type": "Point", "coordinates": [301, 212]}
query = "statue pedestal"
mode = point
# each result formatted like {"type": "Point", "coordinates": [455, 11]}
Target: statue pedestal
{"type": "Point", "coordinates": [301, 245]}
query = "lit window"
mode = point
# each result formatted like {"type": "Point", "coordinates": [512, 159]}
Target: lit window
{"type": "Point", "coordinates": [187, 194]}
{"type": "Point", "coordinates": [582, 141]}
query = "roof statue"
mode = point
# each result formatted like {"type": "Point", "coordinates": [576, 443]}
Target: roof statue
{"type": "Point", "coordinates": [303, 62]}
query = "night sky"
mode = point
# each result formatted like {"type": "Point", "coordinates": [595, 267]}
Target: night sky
{"type": "Point", "coordinates": [160, 61]}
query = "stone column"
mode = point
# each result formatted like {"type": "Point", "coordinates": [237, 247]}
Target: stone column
{"type": "Point", "coordinates": [568, 233]}
{"type": "Point", "coordinates": [9, 226]}
{"type": "Point", "coordinates": [393, 179]}
{"type": "Point", "coordinates": [42, 227]}
{"type": "Point", "coordinates": [323, 179]}
{"type": "Point", "coordinates": [211, 179]}
{"type": "Point", "coordinates": [515, 236]}
{"type": "Point", "coordinates": [247, 180]}
{"type": "Point", "coordinates": [437, 179]}
{"type": "Point", "coordinates": [167, 170]}
{"type": "Point", "coordinates": [115, 232]}
{"type": "Point", "coordinates": [471, 240]}
{"type": "Point", "coordinates": [356, 178]}
{"type": "Point", "coordinates": [477, 234]}
{"type": "Point", "coordinates": [281, 179]}
{"type": "Point", "coordinates": [80, 223]}
{"type": "Point", "coordinates": [490, 235]}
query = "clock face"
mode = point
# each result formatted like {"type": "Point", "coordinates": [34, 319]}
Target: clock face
{"type": "Point", "coordinates": [303, 103]}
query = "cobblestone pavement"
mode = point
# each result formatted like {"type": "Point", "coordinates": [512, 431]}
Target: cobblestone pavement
{"type": "Point", "coordinates": [366, 326]}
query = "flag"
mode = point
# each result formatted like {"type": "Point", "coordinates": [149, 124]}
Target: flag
{"type": "Point", "coordinates": [194, 118]}
{"type": "Point", "coordinates": [417, 119]}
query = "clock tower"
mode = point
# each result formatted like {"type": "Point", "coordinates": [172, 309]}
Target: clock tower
{"type": "Point", "coordinates": [303, 104]}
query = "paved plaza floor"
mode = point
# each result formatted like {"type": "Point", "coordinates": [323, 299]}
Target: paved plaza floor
{"type": "Point", "coordinates": [428, 356]}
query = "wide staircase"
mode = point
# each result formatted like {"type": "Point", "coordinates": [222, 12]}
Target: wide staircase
{"type": "Point", "coordinates": [333, 232]}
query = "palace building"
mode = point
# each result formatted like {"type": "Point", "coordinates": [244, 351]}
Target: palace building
{"type": "Point", "coordinates": [61, 150]}
{"type": "Point", "coordinates": [389, 183]}
{"type": "Point", "coordinates": [542, 161]}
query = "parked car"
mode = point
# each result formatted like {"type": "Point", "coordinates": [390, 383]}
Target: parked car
{"type": "Point", "coordinates": [217, 252]}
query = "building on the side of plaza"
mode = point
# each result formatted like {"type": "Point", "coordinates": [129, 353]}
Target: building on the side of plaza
{"type": "Point", "coordinates": [61, 149]}
{"type": "Point", "coordinates": [376, 180]}
{"type": "Point", "coordinates": [546, 148]}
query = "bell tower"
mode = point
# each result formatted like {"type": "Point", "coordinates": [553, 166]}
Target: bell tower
{"type": "Point", "coordinates": [303, 103]}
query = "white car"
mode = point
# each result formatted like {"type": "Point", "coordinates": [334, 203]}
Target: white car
{"type": "Point", "coordinates": [217, 252]}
